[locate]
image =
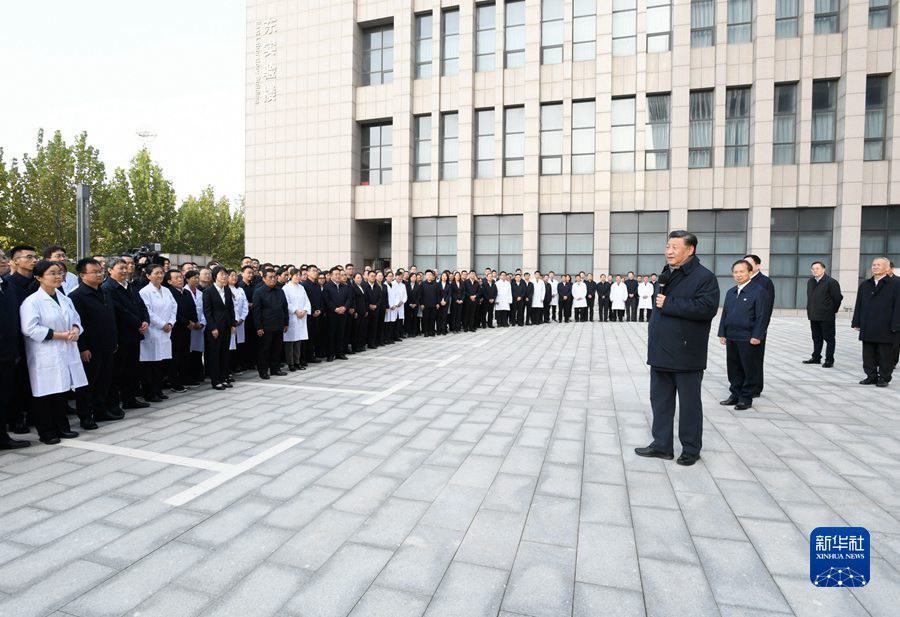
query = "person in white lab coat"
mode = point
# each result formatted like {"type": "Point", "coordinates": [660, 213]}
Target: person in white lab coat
{"type": "Point", "coordinates": [192, 279]}
{"type": "Point", "coordinates": [537, 299]}
{"type": "Point", "coordinates": [51, 327]}
{"type": "Point", "coordinates": [618, 296]}
{"type": "Point", "coordinates": [645, 298]}
{"type": "Point", "coordinates": [297, 332]}
{"type": "Point", "coordinates": [402, 297]}
{"type": "Point", "coordinates": [579, 298]}
{"type": "Point", "coordinates": [241, 310]}
{"type": "Point", "coordinates": [504, 300]}
{"type": "Point", "coordinates": [156, 348]}
{"type": "Point", "coordinates": [551, 311]}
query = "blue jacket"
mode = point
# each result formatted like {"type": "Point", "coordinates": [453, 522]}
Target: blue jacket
{"type": "Point", "coordinates": [678, 334]}
{"type": "Point", "coordinates": [745, 316]}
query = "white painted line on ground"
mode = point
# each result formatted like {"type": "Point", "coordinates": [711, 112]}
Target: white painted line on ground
{"type": "Point", "coordinates": [404, 358]}
{"type": "Point", "coordinates": [232, 472]}
{"type": "Point", "coordinates": [156, 457]}
{"type": "Point", "coordinates": [448, 360]}
{"type": "Point", "coordinates": [266, 384]}
{"type": "Point", "coordinates": [386, 393]}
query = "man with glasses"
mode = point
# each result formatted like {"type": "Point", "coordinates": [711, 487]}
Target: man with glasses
{"type": "Point", "coordinates": [23, 259]}
{"type": "Point", "coordinates": [58, 254]}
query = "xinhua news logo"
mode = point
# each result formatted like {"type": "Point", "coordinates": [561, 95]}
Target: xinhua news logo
{"type": "Point", "coordinates": [839, 557]}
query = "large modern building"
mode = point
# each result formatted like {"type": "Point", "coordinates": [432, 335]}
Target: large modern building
{"type": "Point", "coordinates": [572, 135]}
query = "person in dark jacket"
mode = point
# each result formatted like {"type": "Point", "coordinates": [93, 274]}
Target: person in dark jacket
{"type": "Point", "coordinates": [21, 285]}
{"type": "Point", "coordinates": [631, 303]}
{"type": "Point", "coordinates": [457, 294]}
{"type": "Point", "coordinates": [823, 300]}
{"type": "Point", "coordinates": [373, 304]}
{"type": "Point", "coordinates": [218, 309]}
{"type": "Point", "coordinates": [758, 278]}
{"type": "Point", "coordinates": [97, 345]}
{"type": "Point", "coordinates": [678, 337]}
{"type": "Point", "coordinates": [132, 321]}
{"type": "Point", "coordinates": [471, 291]}
{"type": "Point", "coordinates": [10, 357]}
{"type": "Point", "coordinates": [271, 316]}
{"type": "Point", "coordinates": [248, 349]}
{"type": "Point", "coordinates": [488, 295]}
{"type": "Point", "coordinates": [180, 372]}
{"type": "Point", "coordinates": [591, 285]}
{"type": "Point", "coordinates": [564, 291]}
{"type": "Point", "coordinates": [413, 300]}
{"type": "Point", "coordinates": [740, 330]}
{"type": "Point", "coordinates": [877, 319]}
{"type": "Point", "coordinates": [431, 303]}
{"type": "Point", "coordinates": [359, 319]}
{"type": "Point", "coordinates": [603, 306]}
{"type": "Point", "coordinates": [445, 290]}
{"type": "Point", "coordinates": [337, 299]}
{"type": "Point", "coordinates": [519, 291]}
{"type": "Point", "coordinates": [315, 320]}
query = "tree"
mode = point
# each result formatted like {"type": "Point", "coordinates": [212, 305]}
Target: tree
{"type": "Point", "coordinates": [204, 225]}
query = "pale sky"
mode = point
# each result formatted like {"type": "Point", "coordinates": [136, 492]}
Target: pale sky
{"type": "Point", "coordinates": [113, 67]}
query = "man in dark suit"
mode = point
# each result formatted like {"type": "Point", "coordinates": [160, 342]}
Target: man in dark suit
{"type": "Point", "coordinates": [181, 374]}
{"type": "Point", "coordinates": [338, 302]}
{"type": "Point", "coordinates": [823, 300]}
{"type": "Point", "coordinates": [97, 345]}
{"type": "Point", "coordinates": [248, 284]}
{"type": "Point", "coordinates": [431, 302]}
{"type": "Point", "coordinates": [20, 285]}
{"type": "Point", "coordinates": [603, 287]}
{"type": "Point", "coordinates": [470, 302]}
{"type": "Point", "coordinates": [631, 284]}
{"type": "Point", "coordinates": [413, 300]}
{"type": "Point", "coordinates": [360, 314]}
{"type": "Point", "coordinates": [591, 285]}
{"type": "Point", "coordinates": [758, 278]}
{"type": "Point", "coordinates": [678, 337]}
{"type": "Point", "coordinates": [519, 291]}
{"type": "Point", "coordinates": [877, 319]}
{"type": "Point", "coordinates": [488, 295]}
{"type": "Point", "coordinates": [315, 320]}
{"type": "Point", "coordinates": [271, 316]}
{"type": "Point", "coordinates": [132, 321]}
{"type": "Point", "coordinates": [10, 356]}
{"type": "Point", "coordinates": [373, 301]}
{"type": "Point", "coordinates": [741, 330]}
{"type": "Point", "coordinates": [218, 308]}
{"type": "Point", "coordinates": [529, 294]}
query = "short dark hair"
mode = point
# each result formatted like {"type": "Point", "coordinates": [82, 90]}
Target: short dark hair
{"type": "Point", "coordinates": [168, 275]}
{"type": "Point", "coordinates": [822, 264]}
{"type": "Point", "coordinates": [19, 248]}
{"type": "Point", "coordinates": [349, 266]}
{"type": "Point", "coordinates": [247, 267]}
{"type": "Point", "coordinates": [216, 270]}
{"type": "Point", "coordinates": [52, 249]}
{"type": "Point", "coordinates": [148, 270]}
{"type": "Point", "coordinates": [689, 238]}
{"type": "Point", "coordinates": [267, 272]}
{"type": "Point", "coordinates": [742, 261]}
{"type": "Point", "coordinates": [756, 260]}
{"type": "Point", "coordinates": [45, 264]}
{"type": "Point", "coordinates": [81, 266]}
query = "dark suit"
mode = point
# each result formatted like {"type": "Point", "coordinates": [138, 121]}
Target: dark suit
{"type": "Point", "coordinates": [130, 313]}
{"type": "Point", "coordinates": [470, 304]}
{"type": "Point", "coordinates": [411, 313]}
{"type": "Point", "coordinates": [519, 290]}
{"type": "Point", "coordinates": [529, 294]}
{"type": "Point", "coordinates": [769, 287]}
{"type": "Point", "coordinates": [373, 298]}
{"type": "Point", "coordinates": [564, 297]}
{"type": "Point", "coordinates": [603, 305]}
{"type": "Point", "coordinates": [631, 303]}
{"type": "Point", "coordinates": [271, 315]}
{"type": "Point", "coordinates": [316, 330]}
{"type": "Point", "coordinates": [877, 315]}
{"type": "Point", "coordinates": [488, 300]}
{"type": "Point", "coordinates": [180, 366]}
{"type": "Point", "coordinates": [456, 305]}
{"type": "Point", "coordinates": [431, 300]}
{"type": "Point", "coordinates": [20, 287]}
{"type": "Point", "coordinates": [10, 353]}
{"type": "Point", "coordinates": [359, 318]}
{"type": "Point", "coordinates": [98, 318]}
{"type": "Point", "coordinates": [384, 336]}
{"type": "Point", "coordinates": [743, 318]}
{"type": "Point", "coordinates": [219, 317]}
{"type": "Point", "coordinates": [443, 312]}
{"type": "Point", "coordinates": [678, 338]}
{"type": "Point", "coordinates": [591, 297]}
{"type": "Point", "coordinates": [823, 300]}
{"type": "Point", "coordinates": [248, 349]}
{"type": "Point", "coordinates": [336, 296]}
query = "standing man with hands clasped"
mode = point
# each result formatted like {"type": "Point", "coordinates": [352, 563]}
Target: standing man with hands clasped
{"type": "Point", "coordinates": [678, 333]}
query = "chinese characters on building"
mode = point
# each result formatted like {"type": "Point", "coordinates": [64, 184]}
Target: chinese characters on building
{"type": "Point", "coordinates": [266, 55]}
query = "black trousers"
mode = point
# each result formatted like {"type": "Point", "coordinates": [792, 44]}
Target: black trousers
{"type": "Point", "coordinates": [124, 386]}
{"type": "Point", "coordinates": [470, 309]}
{"type": "Point", "coordinates": [487, 315]}
{"type": "Point", "coordinates": [565, 310]}
{"type": "Point", "coordinates": [761, 360]}
{"type": "Point", "coordinates": [197, 371]}
{"type": "Point", "coordinates": [617, 315]}
{"type": "Point", "coordinates": [321, 339]}
{"type": "Point", "coordinates": [216, 354]}
{"type": "Point", "coordinates": [455, 316]}
{"type": "Point", "coordinates": [642, 313]}
{"type": "Point", "coordinates": [93, 398]}
{"type": "Point", "coordinates": [179, 366]}
{"type": "Point", "coordinates": [878, 360]}
{"type": "Point", "coordinates": [742, 360]}
{"type": "Point", "coordinates": [429, 315]}
{"type": "Point", "coordinates": [519, 313]}
{"type": "Point", "coordinates": [50, 417]}
{"type": "Point", "coordinates": [537, 313]}
{"type": "Point", "coordinates": [247, 350]}
{"type": "Point", "coordinates": [152, 378]}
{"type": "Point", "coordinates": [590, 308]}
{"type": "Point", "coordinates": [581, 313]}
{"type": "Point", "coordinates": [7, 394]}
{"type": "Point", "coordinates": [372, 328]}
{"type": "Point", "coordinates": [312, 331]}
{"type": "Point", "coordinates": [823, 332]}
{"type": "Point", "coordinates": [358, 332]}
{"type": "Point", "coordinates": [547, 310]}
{"type": "Point", "coordinates": [268, 351]}
{"type": "Point", "coordinates": [409, 320]}
{"type": "Point", "coordinates": [503, 319]}
{"type": "Point", "coordinates": [337, 325]}
{"type": "Point", "coordinates": [664, 386]}
{"type": "Point", "coordinates": [631, 308]}
{"type": "Point", "coordinates": [443, 318]}
{"type": "Point", "coordinates": [603, 310]}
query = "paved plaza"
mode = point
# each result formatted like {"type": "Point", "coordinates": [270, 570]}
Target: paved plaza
{"type": "Point", "coordinates": [474, 475]}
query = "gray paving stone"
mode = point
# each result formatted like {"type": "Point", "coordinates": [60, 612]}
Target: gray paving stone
{"type": "Point", "coordinates": [420, 563]}
{"type": "Point", "coordinates": [381, 601]}
{"type": "Point", "coordinates": [607, 556]}
{"type": "Point", "coordinates": [662, 534]}
{"type": "Point", "coordinates": [172, 601]}
{"type": "Point", "coordinates": [365, 497]}
{"type": "Point", "coordinates": [224, 526]}
{"type": "Point", "coordinates": [560, 481]}
{"type": "Point", "coordinates": [55, 590]}
{"type": "Point", "coordinates": [304, 507]}
{"type": "Point", "coordinates": [552, 520]}
{"type": "Point", "coordinates": [142, 541]}
{"type": "Point", "coordinates": [350, 472]}
{"type": "Point", "coordinates": [593, 600]}
{"type": "Point", "coordinates": [605, 503]}
{"type": "Point", "coordinates": [292, 481]}
{"type": "Point", "coordinates": [391, 523]}
{"type": "Point", "coordinates": [510, 493]}
{"type": "Point", "coordinates": [425, 483]}
{"type": "Point", "coordinates": [541, 581]}
{"type": "Point", "coordinates": [493, 539]}
{"type": "Point", "coordinates": [709, 516]}
{"type": "Point", "coordinates": [57, 526]}
{"type": "Point", "coordinates": [455, 507]}
{"type": "Point", "coordinates": [260, 594]}
{"type": "Point", "coordinates": [664, 581]}
{"type": "Point", "coordinates": [468, 590]}
{"type": "Point", "coordinates": [313, 545]}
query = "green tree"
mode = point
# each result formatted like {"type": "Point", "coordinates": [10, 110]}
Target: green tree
{"type": "Point", "coordinates": [205, 225]}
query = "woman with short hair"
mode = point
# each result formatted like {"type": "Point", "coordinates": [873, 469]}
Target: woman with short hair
{"type": "Point", "coordinates": [156, 348]}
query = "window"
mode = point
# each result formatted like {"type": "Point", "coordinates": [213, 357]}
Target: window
{"type": "Point", "coordinates": [566, 243]}
{"type": "Point", "coordinates": [703, 23]}
{"type": "Point", "coordinates": [880, 236]}
{"type": "Point", "coordinates": [584, 120]}
{"type": "Point", "coordinates": [624, 27]}
{"type": "Point", "coordinates": [876, 112]}
{"type": "Point", "coordinates": [498, 242]}
{"type": "Point", "coordinates": [622, 157]}
{"type": "Point", "coordinates": [584, 30]}
{"type": "Point", "coordinates": [799, 236]}
{"type": "Point", "coordinates": [375, 156]}
{"type": "Point", "coordinates": [423, 46]}
{"type": "Point", "coordinates": [422, 153]}
{"type": "Point", "coordinates": [449, 146]}
{"type": "Point", "coordinates": [551, 31]}
{"type": "Point", "coordinates": [824, 108]}
{"type": "Point", "coordinates": [378, 55]}
{"type": "Point", "coordinates": [827, 16]}
{"type": "Point", "coordinates": [515, 34]}
{"type": "Point", "coordinates": [700, 138]}
{"type": "Point", "coordinates": [737, 127]}
{"type": "Point", "coordinates": [740, 21]}
{"type": "Point", "coordinates": [551, 139]}
{"type": "Point", "coordinates": [659, 25]}
{"type": "Point", "coordinates": [656, 154]}
{"type": "Point", "coordinates": [785, 127]}
{"type": "Point", "coordinates": [514, 141]}
{"type": "Point", "coordinates": [450, 42]}
{"type": "Point", "coordinates": [879, 13]}
{"type": "Point", "coordinates": [637, 242]}
{"type": "Point", "coordinates": [484, 143]}
{"type": "Point", "coordinates": [722, 240]}
{"type": "Point", "coordinates": [787, 14]}
{"type": "Point", "coordinates": [485, 29]}
{"type": "Point", "coordinates": [434, 242]}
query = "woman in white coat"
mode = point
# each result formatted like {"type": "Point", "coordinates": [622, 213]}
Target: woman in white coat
{"type": "Point", "coordinates": [390, 311]}
{"type": "Point", "coordinates": [298, 308]}
{"type": "Point", "coordinates": [51, 327]}
{"type": "Point", "coordinates": [192, 279]}
{"type": "Point", "coordinates": [579, 299]}
{"type": "Point", "coordinates": [504, 300]}
{"type": "Point", "coordinates": [156, 348]}
{"type": "Point", "coordinates": [241, 310]}
{"type": "Point", "coordinates": [537, 300]}
{"type": "Point", "coordinates": [645, 302]}
{"type": "Point", "coordinates": [618, 295]}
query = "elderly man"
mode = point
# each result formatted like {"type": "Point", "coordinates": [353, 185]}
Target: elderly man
{"type": "Point", "coordinates": [877, 319]}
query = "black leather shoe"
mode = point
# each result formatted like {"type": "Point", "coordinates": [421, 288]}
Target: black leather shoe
{"type": "Point", "coordinates": [827, 364]}
{"type": "Point", "coordinates": [164, 397]}
{"type": "Point", "coordinates": [742, 406]}
{"type": "Point", "coordinates": [68, 434]}
{"type": "Point", "coordinates": [292, 368]}
{"type": "Point", "coordinates": [228, 384]}
{"type": "Point", "coordinates": [342, 357]}
{"type": "Point", "coordinates": [20, 429]}
{"type": "Point", "coordinates": [8, 443]}
{"type": "Point", "coordinates": [729, 401]}
{"type": "Point", "coordinates": [135, 405]}
{"type": "Point", "coordinates": [868, 381]}
{"type": "Point", "coordinates": [315, 361]}
{"type": "Point", "coordinates": [220, 386]}
{"type": "Point", "coordinates": [812, 361]}
{"type": "Point", "coordinates": [279, 373]}
{"type": "Point", "coordinates": [50, 441]}
{"type": "Point", "coordinates": [264, 376]}
{"type": "Point", "coordinates": [88, 424]}
{"type": "Point", "coordinates": [687, 459]}
{"type": "Point", "coordinates": [330, 359]}
{"type": "Point", "coordinates": [881, 383]}
{"type": "Point", "coordinates": [653, 453]}
{"type": "Point", "coordinates": [109, 416]}
{"type": "Point", "coordinates": [153, 399]}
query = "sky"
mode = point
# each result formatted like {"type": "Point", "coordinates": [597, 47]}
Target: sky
{"type": "Point", "coordinates": [115, 67]}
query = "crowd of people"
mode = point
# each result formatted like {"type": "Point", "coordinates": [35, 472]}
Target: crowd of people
{"type": "Point", "coordinates": [120, 334]}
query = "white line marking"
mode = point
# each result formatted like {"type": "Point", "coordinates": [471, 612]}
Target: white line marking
{"type": "Point", "coordinates": [157, 457]}
{"type": "Point", "coordinates": [404, 358]}
{"type": "Point", "coordinates": [447, 361]}
{"type": "Point", "coordinates": [232, 472]}
{"type": "Point", "coordinates": [264, 384]}
{"type": "Point", "coordinates": [386, 393]}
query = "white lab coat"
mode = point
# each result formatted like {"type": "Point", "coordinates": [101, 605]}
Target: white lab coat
{"type": "Point", "coordinates": [390, 314]}
{"type": "Point", "coordinates": [157, 345]}
{"type": "Point", "coordinates": [70, 283]}
{"type": "Point", "coordinates": [197, 335]}
{"type": "Point", "coordinates": [579, 295]}
{"type": "Point", "coordinates": [401, 298]}
{"type": "Point", "coordinates": [241, 309]}
{"type": "Point", "coordinates": [297, 300]}
{"type": "Point", "coordinates": [618, 294]}
{"type": "Point", "coordinates": [537, 300]}
{"type": "Point", "coordinates": [645, 290]}
{"type": "Point", "coordinates": [53, 366]}
{"type": "Point", "coordinates": [554, 299]}
{"type": "Point", "coordinates": [504, 296]}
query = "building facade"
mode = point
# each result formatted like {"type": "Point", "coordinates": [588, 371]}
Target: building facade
{"type": "Point", "coordinates": [571, 135]}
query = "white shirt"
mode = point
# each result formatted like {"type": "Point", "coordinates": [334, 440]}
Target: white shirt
{"type": "Point", "coordinates": [740, 287]}
{"type": "Point", "coordinates": [221, 291]}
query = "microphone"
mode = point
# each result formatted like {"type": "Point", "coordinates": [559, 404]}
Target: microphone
{"type": "Point", "coordinates": [662, 279]}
